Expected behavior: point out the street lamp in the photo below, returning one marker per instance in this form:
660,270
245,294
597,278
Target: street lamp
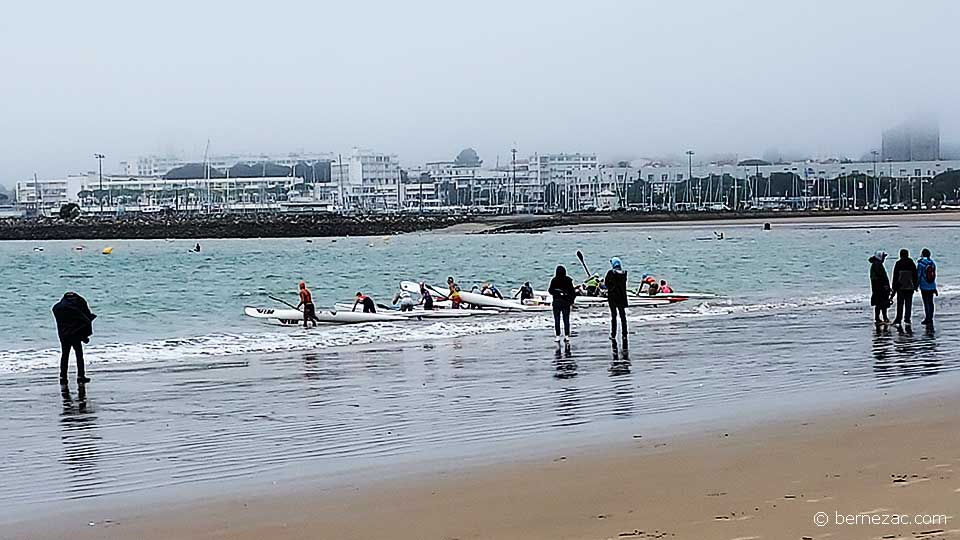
876,180
99,158
690,176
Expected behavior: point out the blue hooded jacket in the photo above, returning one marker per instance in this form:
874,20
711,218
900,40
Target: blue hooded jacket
925,266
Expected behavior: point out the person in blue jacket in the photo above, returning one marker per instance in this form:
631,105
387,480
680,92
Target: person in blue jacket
927,280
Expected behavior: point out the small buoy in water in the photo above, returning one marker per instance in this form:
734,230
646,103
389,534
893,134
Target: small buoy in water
766,226
649,238
78,248
107,250
309,241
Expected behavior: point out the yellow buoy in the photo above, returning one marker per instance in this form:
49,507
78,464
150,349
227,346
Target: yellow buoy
107,250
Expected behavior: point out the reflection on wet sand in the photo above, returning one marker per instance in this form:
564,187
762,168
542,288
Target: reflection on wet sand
900,353
623,389
80,441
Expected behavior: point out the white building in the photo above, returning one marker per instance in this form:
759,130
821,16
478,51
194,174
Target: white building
155,165
47,196
367,181
554,175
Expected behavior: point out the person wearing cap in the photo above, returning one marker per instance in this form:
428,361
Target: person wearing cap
454,292
879,288
616,282
306,300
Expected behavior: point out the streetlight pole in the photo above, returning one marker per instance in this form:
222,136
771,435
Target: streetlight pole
690,175
876,180
513,189
99,158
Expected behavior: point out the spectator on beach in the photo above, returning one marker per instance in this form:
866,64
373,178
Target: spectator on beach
927,279
904,284
616,282
879,288
563,293
74,328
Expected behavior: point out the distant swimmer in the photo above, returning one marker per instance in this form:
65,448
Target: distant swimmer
664,288
718,235
525,293
369,306
306,301
425,297
196,248
404,300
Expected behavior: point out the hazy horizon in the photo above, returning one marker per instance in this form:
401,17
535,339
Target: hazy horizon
622,79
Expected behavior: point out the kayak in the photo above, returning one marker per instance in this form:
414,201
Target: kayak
474,299
543,297
419,312
294,316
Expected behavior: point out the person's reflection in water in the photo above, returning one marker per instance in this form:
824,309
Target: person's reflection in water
905,355
620,365
311,367
80,441
568,401
622,383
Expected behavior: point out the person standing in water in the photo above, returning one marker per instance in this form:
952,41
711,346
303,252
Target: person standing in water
879,288
454,293
904,285
369,306
927,279
74,328
563,293
616,282
525,293
425,297
306,301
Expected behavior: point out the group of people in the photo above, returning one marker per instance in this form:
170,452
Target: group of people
564,294
908,277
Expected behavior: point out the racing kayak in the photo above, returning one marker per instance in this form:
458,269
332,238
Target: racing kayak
474,299
419,312
543,297
294,316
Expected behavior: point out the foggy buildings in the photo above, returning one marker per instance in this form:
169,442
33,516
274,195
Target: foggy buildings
912,141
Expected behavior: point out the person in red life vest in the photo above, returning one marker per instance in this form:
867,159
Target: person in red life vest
369,306
664,288
306,300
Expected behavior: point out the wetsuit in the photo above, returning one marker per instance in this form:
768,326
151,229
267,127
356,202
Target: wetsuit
526,293
369,306
426,298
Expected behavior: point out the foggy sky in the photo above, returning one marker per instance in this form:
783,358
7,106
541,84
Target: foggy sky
425,79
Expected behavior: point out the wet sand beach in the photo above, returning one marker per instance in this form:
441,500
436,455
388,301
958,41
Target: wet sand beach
769,481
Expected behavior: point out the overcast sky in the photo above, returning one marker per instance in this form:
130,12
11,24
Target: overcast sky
624,78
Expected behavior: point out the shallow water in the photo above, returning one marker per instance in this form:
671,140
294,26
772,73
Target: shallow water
186,397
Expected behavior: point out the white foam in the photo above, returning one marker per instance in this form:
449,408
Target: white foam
292,339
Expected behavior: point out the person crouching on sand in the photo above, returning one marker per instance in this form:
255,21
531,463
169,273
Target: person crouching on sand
879,288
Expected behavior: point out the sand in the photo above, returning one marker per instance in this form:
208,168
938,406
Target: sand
765,481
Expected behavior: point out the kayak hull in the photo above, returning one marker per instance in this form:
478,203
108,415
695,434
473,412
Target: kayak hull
291,316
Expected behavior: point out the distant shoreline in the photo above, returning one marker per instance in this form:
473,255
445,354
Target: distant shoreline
330,225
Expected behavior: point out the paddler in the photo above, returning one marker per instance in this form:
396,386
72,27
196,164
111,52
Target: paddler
306,300
489,289
592,285
664,288
454,292
369,306
525,292
425,297
646,281
405,301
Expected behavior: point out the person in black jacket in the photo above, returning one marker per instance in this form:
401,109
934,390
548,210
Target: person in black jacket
616,284
879,288
563,293
74,327
904,284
